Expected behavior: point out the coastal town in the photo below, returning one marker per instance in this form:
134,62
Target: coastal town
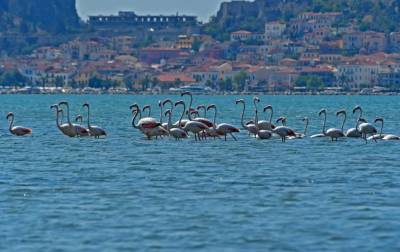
312,53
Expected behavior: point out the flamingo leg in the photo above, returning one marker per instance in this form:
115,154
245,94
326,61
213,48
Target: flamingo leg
233,137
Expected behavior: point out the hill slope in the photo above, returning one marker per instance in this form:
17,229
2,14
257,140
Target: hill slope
54,16
378,15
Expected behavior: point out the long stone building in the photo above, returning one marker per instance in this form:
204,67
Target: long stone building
129,18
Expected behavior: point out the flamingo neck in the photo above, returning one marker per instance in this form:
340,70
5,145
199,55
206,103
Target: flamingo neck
88,117
215,118
190,107
11,123
169,127
359,117
344,122
271,116
182,115
134,119
306,128
68,118
161,114
58,119
244,109
323,127
256,119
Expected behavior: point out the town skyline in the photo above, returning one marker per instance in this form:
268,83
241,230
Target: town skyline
204,9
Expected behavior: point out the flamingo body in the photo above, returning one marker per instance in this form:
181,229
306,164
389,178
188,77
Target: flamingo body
178,133
20,131
353,133
391,138
284,132
264,134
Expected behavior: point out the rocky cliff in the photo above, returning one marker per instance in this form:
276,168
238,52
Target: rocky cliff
53,16
379,15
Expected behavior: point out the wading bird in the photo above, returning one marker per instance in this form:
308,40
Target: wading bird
17,130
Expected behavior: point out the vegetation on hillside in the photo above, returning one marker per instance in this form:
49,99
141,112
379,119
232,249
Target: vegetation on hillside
375,15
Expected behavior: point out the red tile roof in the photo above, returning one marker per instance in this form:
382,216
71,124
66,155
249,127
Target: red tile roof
172,77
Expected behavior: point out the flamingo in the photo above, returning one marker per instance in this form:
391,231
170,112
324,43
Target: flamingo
222,129
366,129
177,133
261,133
353,132
71,130
79,118
333,133
17,130
192,126
147,107
204,121
283,131
251,128
379,136
304,134
203,107
74,129
150,127
267,125
94,131
64,128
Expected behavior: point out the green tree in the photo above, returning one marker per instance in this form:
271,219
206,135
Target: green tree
95,82
311,82
145,83
239,81
221,85
228,84
13,78
59,81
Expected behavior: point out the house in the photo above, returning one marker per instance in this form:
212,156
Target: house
330,58
311,21
394,42
173,80
357,73
389,78
274,30
154,55
242,35
369,42
273,78
48,74
184,42
122,44
326,73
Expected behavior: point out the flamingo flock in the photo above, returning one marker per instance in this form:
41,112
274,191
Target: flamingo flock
76,130
194,123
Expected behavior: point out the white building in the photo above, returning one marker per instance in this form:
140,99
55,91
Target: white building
358,74
274,30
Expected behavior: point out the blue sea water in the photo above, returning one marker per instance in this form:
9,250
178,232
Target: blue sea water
125,193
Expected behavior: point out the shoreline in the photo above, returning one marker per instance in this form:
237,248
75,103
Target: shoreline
104,92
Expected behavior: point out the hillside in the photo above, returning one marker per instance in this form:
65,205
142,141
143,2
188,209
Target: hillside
377,15
53,16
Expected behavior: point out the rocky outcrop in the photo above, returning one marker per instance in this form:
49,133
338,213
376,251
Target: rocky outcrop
379,15
53,16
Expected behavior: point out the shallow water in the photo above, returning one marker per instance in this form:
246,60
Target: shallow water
125,193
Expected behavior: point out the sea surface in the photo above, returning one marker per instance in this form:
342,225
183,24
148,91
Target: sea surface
125,193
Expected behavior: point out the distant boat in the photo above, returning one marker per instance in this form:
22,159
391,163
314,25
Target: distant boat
195,89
